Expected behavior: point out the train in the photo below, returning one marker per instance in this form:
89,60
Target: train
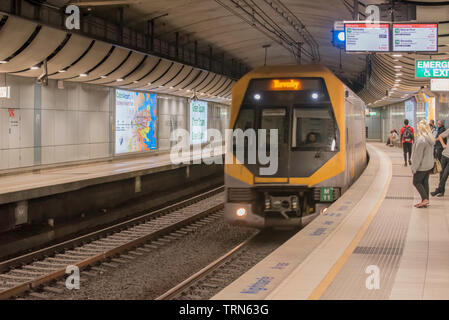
320,146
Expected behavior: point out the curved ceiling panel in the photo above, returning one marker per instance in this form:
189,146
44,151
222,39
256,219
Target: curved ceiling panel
225,81
13,35
45,42
161,68
111,62
169,74
180,77
206,82
130,64
226,90
74,48
192,79
93,56
205,76
71,57
214,84
133,80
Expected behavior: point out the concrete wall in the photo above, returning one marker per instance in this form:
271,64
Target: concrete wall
392,118
218,117
45,125
172,115
17,123
75,123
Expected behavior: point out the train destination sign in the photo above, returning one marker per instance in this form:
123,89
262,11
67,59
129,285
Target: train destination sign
367,37
432,69
415,37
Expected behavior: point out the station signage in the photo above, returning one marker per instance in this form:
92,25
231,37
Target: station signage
5,92
432,68
415,37
439,85
198,122
371,37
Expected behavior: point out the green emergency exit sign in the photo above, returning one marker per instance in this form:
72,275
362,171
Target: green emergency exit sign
432,68
326,194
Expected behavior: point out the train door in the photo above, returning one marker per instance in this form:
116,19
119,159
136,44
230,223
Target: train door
277,119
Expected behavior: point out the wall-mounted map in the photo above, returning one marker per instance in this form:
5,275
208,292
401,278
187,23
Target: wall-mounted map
135,124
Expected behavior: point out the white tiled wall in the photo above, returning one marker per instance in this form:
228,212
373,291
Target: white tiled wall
17,148
74,122
170,109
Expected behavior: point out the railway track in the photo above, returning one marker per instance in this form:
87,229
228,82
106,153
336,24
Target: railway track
213,278
39,271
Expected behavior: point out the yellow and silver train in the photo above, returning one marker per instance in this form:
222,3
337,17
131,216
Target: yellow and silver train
321,147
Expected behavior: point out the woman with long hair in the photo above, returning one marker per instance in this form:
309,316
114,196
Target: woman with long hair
423,161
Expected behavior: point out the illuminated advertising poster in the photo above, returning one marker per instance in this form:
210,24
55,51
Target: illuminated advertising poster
415,37
430,108
410,111
367,37
198,122
135,123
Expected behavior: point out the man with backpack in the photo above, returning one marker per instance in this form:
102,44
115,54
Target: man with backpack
407,138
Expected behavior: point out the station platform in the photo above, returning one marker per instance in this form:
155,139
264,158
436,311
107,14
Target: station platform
372,243
40,183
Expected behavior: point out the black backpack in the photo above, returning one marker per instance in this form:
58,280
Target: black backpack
408,136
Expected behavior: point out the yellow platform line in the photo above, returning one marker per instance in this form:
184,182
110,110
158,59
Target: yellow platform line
336,268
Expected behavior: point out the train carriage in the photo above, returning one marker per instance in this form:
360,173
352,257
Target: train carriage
320,147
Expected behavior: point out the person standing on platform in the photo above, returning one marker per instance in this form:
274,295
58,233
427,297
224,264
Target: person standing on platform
438,146
442,138
423,161
407,138
433,128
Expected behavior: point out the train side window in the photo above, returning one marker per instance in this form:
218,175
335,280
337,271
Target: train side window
314,128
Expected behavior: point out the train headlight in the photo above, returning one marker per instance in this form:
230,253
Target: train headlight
240,212
267,203
257,96
314,96
295,204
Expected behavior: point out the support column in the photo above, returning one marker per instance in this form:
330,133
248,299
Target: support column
37,129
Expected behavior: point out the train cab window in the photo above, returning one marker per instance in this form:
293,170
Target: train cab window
245,119
275,118
314,128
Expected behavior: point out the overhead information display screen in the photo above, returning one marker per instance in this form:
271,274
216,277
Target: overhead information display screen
367,37
415,37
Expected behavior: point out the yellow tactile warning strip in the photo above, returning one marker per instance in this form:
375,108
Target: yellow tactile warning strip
380,249
295,269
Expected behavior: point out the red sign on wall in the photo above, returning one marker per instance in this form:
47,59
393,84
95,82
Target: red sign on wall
11,113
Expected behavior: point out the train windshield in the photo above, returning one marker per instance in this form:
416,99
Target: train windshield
275,119
314,128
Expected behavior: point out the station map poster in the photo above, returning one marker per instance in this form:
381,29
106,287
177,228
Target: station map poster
135,123
362,37
198,122
410,111
415,37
